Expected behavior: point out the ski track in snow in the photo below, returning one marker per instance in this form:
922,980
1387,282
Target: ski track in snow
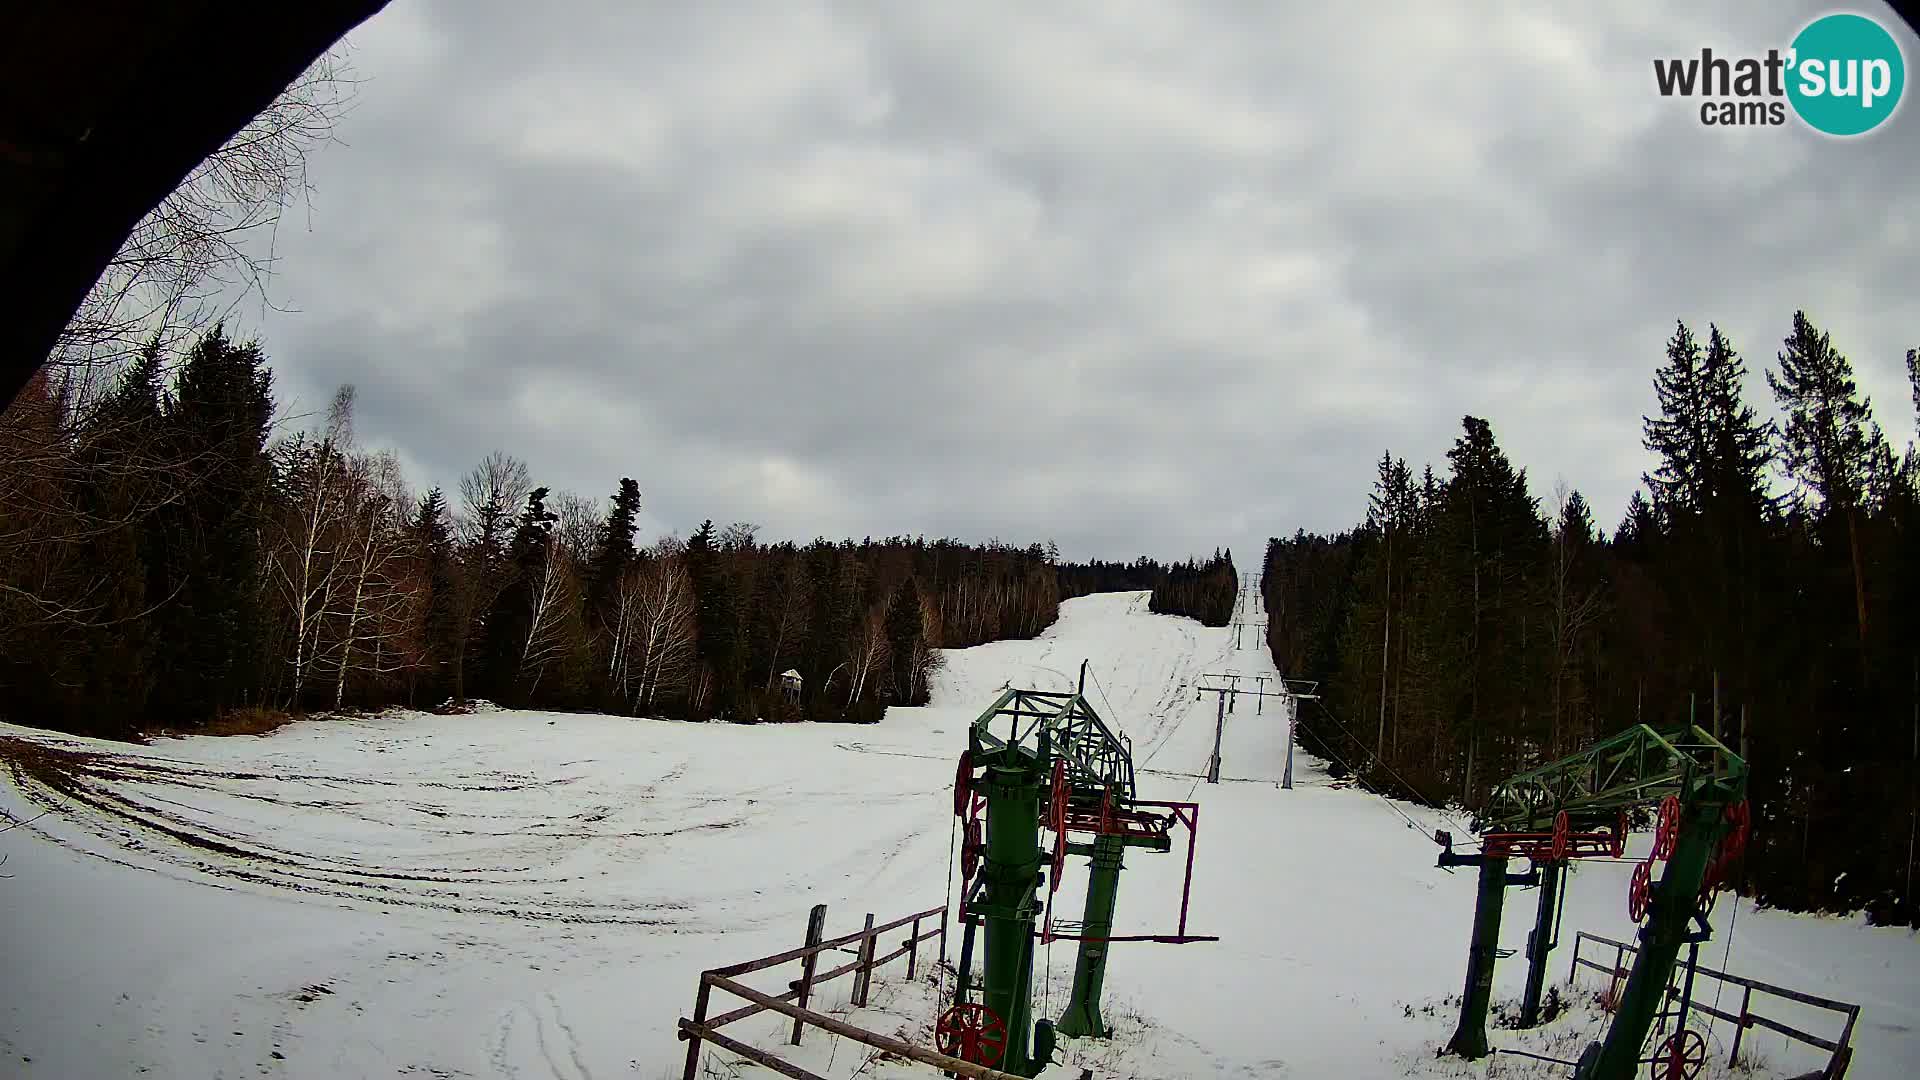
519,894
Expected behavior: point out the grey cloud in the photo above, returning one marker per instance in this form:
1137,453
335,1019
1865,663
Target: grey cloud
1138,277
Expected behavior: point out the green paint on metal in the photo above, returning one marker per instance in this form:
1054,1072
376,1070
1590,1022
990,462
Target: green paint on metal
1082,1018
1541,942
1470,1037
1633,768
1019,740
1672,907
1011,871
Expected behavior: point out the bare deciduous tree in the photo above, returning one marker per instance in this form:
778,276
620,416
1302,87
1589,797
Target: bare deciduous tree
209,245
658,627
552,591
578,525
374,594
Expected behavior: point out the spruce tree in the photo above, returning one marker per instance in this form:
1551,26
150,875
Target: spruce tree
440,614
511,619
212,629
118,487
906,631
717,619
1831,446
614,554
1679,435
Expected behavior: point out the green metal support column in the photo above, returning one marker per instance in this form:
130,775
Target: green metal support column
1082,1017
1540,942
1669,911
1011,870
1470,1038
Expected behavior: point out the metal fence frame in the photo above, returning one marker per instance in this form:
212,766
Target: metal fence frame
1840,1050
702,1028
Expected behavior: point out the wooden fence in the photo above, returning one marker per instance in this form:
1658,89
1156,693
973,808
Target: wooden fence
701,1028
1839,1049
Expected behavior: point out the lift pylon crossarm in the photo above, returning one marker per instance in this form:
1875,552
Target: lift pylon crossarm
1635,767
1058,724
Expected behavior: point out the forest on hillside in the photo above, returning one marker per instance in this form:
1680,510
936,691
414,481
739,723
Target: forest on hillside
1200,590
172,555
1765,585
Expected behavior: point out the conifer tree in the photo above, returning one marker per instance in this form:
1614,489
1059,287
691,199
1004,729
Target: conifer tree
212,630
440,612
512,620
906,632
717,619
1831,445
615,553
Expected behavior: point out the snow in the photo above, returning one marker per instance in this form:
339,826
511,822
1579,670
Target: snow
518,894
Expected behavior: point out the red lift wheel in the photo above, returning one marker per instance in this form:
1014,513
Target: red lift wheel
1561,827
1639,891
963,784
1680,1057
971,1032
1710,884
1618,845
1667,833
1740,817
970,849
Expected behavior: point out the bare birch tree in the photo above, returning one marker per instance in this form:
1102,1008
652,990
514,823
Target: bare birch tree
304,557
870,652
552,594
208,246
374,592
662,626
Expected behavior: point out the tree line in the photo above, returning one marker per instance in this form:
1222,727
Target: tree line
1097,576
1763,584
1201,590
169,557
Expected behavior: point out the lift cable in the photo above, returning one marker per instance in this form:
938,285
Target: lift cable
1391,803
1732,918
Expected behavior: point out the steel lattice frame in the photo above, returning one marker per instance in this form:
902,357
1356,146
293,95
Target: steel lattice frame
1633,768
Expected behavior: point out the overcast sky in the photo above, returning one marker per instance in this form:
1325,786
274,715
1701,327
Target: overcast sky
1138,277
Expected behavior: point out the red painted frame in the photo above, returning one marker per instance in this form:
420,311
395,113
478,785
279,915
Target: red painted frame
1107,823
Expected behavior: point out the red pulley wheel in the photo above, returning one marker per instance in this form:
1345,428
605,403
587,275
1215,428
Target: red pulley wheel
1561,828
1667,832
970,849
963,784
1681,1056
1710,883
971,1032
1739,816
1618,847
1639,891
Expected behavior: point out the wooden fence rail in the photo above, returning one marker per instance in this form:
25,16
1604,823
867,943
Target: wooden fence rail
700,1028
1839,1050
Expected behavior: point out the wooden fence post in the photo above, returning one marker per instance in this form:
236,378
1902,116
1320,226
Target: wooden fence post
693,1041
913,949
1740,1032
863,975
816,929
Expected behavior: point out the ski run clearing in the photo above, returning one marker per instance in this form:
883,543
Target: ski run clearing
529,895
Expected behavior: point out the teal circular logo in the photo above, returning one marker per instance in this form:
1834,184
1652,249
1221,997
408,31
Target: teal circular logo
1846,74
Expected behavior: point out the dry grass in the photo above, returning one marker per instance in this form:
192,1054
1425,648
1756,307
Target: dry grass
251,720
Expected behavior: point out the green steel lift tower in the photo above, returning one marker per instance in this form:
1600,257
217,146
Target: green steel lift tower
1038,758
1577,808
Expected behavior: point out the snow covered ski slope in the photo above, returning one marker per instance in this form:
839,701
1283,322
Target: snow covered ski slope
513,894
